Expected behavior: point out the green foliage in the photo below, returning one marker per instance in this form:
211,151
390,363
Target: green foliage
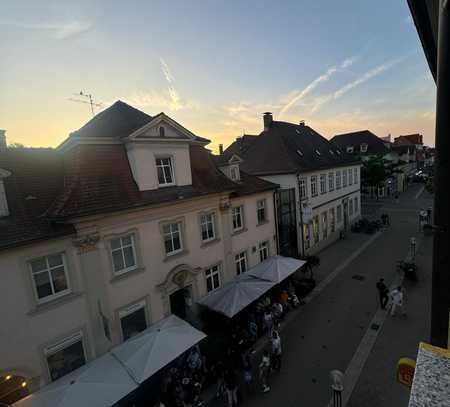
374,171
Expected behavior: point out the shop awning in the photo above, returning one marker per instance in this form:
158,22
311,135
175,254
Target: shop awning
100,383
152,349
236,295
276,268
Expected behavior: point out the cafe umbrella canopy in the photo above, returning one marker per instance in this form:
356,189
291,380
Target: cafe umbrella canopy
276,268
236,295
152,349
111,377
100,383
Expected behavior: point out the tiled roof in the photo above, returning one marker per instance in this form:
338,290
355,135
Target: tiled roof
415,138
36,179
375,145
289,148
117,121
240,145
98,186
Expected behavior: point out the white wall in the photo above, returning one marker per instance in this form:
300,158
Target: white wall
26,329
321,202
142,156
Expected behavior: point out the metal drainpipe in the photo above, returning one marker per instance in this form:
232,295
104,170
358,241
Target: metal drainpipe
440,298
275,211
301,216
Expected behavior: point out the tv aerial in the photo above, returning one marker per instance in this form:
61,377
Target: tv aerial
87,100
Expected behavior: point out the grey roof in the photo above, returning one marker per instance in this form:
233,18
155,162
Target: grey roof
289,148
118,120
375,145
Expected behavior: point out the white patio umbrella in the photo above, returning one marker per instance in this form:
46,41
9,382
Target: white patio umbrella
146,353
100,383
276,268
236,295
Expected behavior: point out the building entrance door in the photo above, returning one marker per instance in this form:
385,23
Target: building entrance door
178,305
345,207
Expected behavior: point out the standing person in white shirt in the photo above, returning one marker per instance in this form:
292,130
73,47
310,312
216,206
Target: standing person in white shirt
396,296
276,351
337,386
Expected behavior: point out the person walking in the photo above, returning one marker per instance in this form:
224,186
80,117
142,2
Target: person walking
276,351
264,370
383,292
248,372
396,300
231,387
337,387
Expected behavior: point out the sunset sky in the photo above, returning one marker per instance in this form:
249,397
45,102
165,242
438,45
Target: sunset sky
215,66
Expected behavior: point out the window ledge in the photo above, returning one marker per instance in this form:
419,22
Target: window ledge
175,255
238,232
39,308
209,242
127,274
264,222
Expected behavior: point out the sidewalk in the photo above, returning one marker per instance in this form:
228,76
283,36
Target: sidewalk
333,260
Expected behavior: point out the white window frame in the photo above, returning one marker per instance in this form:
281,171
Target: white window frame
239,260
331,181
350,207
338,179
53,296
355,175
303,188
344,178
204,222
349,149
234,173
350,176
363,147
210,272
130,309
259,208
323,184
61,345
172,233
171,168
133,246
234,215
314,191
263,247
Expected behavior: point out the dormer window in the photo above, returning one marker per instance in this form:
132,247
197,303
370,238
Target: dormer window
164,168
349,149
234,173
363,147
162,131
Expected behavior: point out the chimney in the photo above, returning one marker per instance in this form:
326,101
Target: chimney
220,149
302,122
3,140
267,120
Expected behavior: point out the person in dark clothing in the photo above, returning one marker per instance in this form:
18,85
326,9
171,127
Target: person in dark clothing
231,386
383,293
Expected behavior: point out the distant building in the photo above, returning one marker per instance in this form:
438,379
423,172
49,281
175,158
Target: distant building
415,142
319,192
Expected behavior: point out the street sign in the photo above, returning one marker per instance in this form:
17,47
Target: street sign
405,371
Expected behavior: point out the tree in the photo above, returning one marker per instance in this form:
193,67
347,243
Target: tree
374,172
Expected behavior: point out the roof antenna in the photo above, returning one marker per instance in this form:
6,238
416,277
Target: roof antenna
89,100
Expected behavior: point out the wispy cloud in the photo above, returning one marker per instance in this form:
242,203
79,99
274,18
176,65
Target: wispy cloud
322,78
357,82
59,31
176,101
